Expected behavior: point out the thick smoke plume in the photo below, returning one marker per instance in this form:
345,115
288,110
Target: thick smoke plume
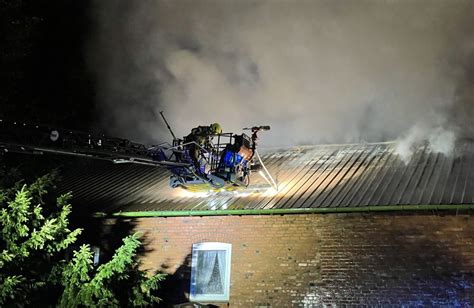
316,71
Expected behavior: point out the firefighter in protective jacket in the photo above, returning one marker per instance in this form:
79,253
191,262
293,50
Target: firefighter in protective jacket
200,137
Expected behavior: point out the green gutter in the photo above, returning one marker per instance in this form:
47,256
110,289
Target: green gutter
381,208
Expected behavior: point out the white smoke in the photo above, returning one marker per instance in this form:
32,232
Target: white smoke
437,138
316,71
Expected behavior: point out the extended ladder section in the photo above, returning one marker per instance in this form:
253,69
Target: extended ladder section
39,139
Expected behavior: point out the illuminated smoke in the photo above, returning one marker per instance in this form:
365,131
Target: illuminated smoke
316,71
437,138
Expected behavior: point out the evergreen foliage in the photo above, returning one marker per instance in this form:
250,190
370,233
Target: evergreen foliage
32,239
33,244
116,283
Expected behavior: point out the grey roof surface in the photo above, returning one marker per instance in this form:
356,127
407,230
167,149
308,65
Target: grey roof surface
324,176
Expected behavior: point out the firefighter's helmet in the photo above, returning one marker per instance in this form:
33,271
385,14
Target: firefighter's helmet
216,128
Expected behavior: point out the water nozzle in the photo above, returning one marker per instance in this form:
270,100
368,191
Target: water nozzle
258,128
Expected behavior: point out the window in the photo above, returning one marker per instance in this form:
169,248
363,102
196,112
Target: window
210,272
96,252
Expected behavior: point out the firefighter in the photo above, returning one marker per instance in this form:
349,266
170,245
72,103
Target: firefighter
200,137
202,134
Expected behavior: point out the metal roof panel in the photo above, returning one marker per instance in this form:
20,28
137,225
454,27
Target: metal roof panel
324,176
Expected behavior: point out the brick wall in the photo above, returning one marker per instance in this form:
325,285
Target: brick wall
324,259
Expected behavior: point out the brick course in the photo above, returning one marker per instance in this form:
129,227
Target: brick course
310,260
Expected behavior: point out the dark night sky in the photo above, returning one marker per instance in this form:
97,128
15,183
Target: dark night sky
44,75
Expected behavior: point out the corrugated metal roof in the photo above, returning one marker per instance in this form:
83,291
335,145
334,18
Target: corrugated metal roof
324,176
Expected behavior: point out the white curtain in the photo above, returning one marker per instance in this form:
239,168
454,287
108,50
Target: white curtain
222,264
206,265
206,262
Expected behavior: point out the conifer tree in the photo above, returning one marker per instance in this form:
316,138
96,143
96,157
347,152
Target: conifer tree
116,283
33,242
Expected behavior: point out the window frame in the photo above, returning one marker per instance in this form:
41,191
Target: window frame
210,246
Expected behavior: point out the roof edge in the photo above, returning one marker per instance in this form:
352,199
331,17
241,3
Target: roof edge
380,208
